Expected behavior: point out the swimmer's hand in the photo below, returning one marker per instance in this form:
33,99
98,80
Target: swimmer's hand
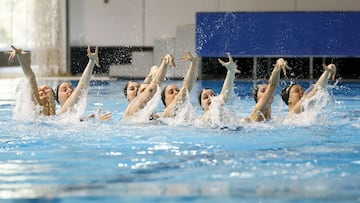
14,52
187,57
331,68
281,63
103,117
230,65
169,59
93,56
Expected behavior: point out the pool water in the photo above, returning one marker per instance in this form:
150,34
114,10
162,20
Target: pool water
312,158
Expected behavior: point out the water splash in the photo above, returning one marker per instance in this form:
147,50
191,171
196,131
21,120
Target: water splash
220,116
25,109
75,113
184,115
316,110
148,111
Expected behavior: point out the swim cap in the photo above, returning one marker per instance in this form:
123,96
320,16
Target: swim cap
163,95
285,93
57,93
255,92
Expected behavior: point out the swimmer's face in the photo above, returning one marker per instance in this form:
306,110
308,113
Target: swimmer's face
295,94
131,90
46,93
206,96
142,88
170,92
64,92
261,91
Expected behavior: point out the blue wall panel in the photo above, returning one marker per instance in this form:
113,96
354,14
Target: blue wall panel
278,34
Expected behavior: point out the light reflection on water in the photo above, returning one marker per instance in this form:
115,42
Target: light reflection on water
43,157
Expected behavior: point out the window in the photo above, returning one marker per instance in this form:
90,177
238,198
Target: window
16,23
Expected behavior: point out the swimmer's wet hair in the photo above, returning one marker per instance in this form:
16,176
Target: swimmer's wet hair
125,89
163,95
53,92
57,93
255,92
285,93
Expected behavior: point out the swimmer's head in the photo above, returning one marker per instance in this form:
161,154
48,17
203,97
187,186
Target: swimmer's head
292,94
205,96
168,94
46,93
259,91
63,92
130,90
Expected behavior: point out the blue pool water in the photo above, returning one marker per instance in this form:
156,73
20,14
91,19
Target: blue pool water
312,158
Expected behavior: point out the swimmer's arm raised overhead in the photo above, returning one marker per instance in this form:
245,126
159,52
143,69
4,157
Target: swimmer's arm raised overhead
187,85
151,75
141,100
264,104
161,72
329,72
227,90
25,65
84,80
190,74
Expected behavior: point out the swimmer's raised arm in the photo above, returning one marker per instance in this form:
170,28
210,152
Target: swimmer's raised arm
152,73
191,73
187,85
161,72
25,65
263,105
84,80
329,72
141,100
227,90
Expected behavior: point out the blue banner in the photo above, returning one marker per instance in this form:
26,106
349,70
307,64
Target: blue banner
278,34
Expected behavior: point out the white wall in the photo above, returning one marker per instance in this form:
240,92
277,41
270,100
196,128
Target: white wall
140,22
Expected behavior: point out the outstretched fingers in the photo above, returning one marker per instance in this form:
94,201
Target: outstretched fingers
14,52
106,116
230,65
284,69
170,60
230,58
11,56
282,63
94,56
187,57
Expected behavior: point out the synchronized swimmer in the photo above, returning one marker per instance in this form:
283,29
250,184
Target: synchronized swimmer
65,95
173,98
